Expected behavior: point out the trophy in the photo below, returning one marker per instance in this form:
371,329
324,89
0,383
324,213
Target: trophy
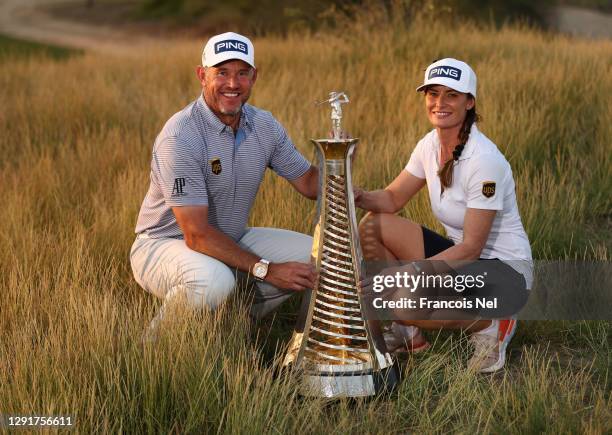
337,351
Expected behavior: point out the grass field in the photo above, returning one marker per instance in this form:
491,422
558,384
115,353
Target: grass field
75,145
11,48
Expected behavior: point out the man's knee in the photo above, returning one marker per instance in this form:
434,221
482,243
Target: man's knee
211,289
303,247
292,246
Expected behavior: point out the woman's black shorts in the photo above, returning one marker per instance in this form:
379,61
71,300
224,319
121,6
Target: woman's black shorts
503,285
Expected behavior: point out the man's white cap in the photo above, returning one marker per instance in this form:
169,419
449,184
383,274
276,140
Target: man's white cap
228,46
451,73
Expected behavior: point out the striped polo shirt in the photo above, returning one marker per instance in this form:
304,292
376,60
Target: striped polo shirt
198,160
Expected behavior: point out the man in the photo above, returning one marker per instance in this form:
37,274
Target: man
207,165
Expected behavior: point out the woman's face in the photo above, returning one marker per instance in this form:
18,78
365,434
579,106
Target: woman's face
446,108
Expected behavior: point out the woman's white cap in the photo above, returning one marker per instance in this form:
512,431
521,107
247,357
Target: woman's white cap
228,46
451,73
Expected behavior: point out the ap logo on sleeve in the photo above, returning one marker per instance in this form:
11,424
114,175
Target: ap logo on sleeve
178,187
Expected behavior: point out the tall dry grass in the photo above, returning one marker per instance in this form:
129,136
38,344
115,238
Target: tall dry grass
75,145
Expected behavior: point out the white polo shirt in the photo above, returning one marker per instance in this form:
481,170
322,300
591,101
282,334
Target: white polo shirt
482,179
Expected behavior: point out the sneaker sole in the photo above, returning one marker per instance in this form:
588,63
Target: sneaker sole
502,350
397,346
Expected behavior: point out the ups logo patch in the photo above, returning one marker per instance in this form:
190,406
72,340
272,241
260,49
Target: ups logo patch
488,188
215,165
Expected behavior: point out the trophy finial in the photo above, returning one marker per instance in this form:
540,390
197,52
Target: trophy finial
336,99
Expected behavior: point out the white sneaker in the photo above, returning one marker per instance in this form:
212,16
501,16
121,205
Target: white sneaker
172,298
404,339
490,345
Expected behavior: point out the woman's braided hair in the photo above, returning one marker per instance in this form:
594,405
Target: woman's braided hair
446,172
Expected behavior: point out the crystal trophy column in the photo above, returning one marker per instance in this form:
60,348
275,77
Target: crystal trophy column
337,351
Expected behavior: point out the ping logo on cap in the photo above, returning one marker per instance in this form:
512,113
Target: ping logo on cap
231,45
445,71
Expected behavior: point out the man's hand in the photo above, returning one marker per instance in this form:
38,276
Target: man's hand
291,276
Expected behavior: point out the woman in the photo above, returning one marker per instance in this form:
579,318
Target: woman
471,190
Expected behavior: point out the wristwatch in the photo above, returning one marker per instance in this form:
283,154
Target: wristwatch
260,270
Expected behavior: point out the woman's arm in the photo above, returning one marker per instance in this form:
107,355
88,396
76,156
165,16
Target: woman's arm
476,227
393,197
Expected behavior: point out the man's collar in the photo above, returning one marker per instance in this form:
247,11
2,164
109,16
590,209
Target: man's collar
215,122
245,117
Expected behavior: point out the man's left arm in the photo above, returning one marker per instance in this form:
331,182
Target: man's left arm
307,184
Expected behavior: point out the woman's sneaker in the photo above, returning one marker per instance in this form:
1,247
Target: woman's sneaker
404,339
490,345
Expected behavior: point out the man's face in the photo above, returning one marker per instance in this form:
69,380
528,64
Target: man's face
446,108
227,86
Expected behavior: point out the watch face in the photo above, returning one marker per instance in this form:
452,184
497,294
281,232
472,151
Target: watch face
260,270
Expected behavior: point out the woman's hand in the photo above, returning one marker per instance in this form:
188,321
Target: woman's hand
360,197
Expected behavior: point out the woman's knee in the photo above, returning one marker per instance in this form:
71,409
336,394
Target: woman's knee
371,224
